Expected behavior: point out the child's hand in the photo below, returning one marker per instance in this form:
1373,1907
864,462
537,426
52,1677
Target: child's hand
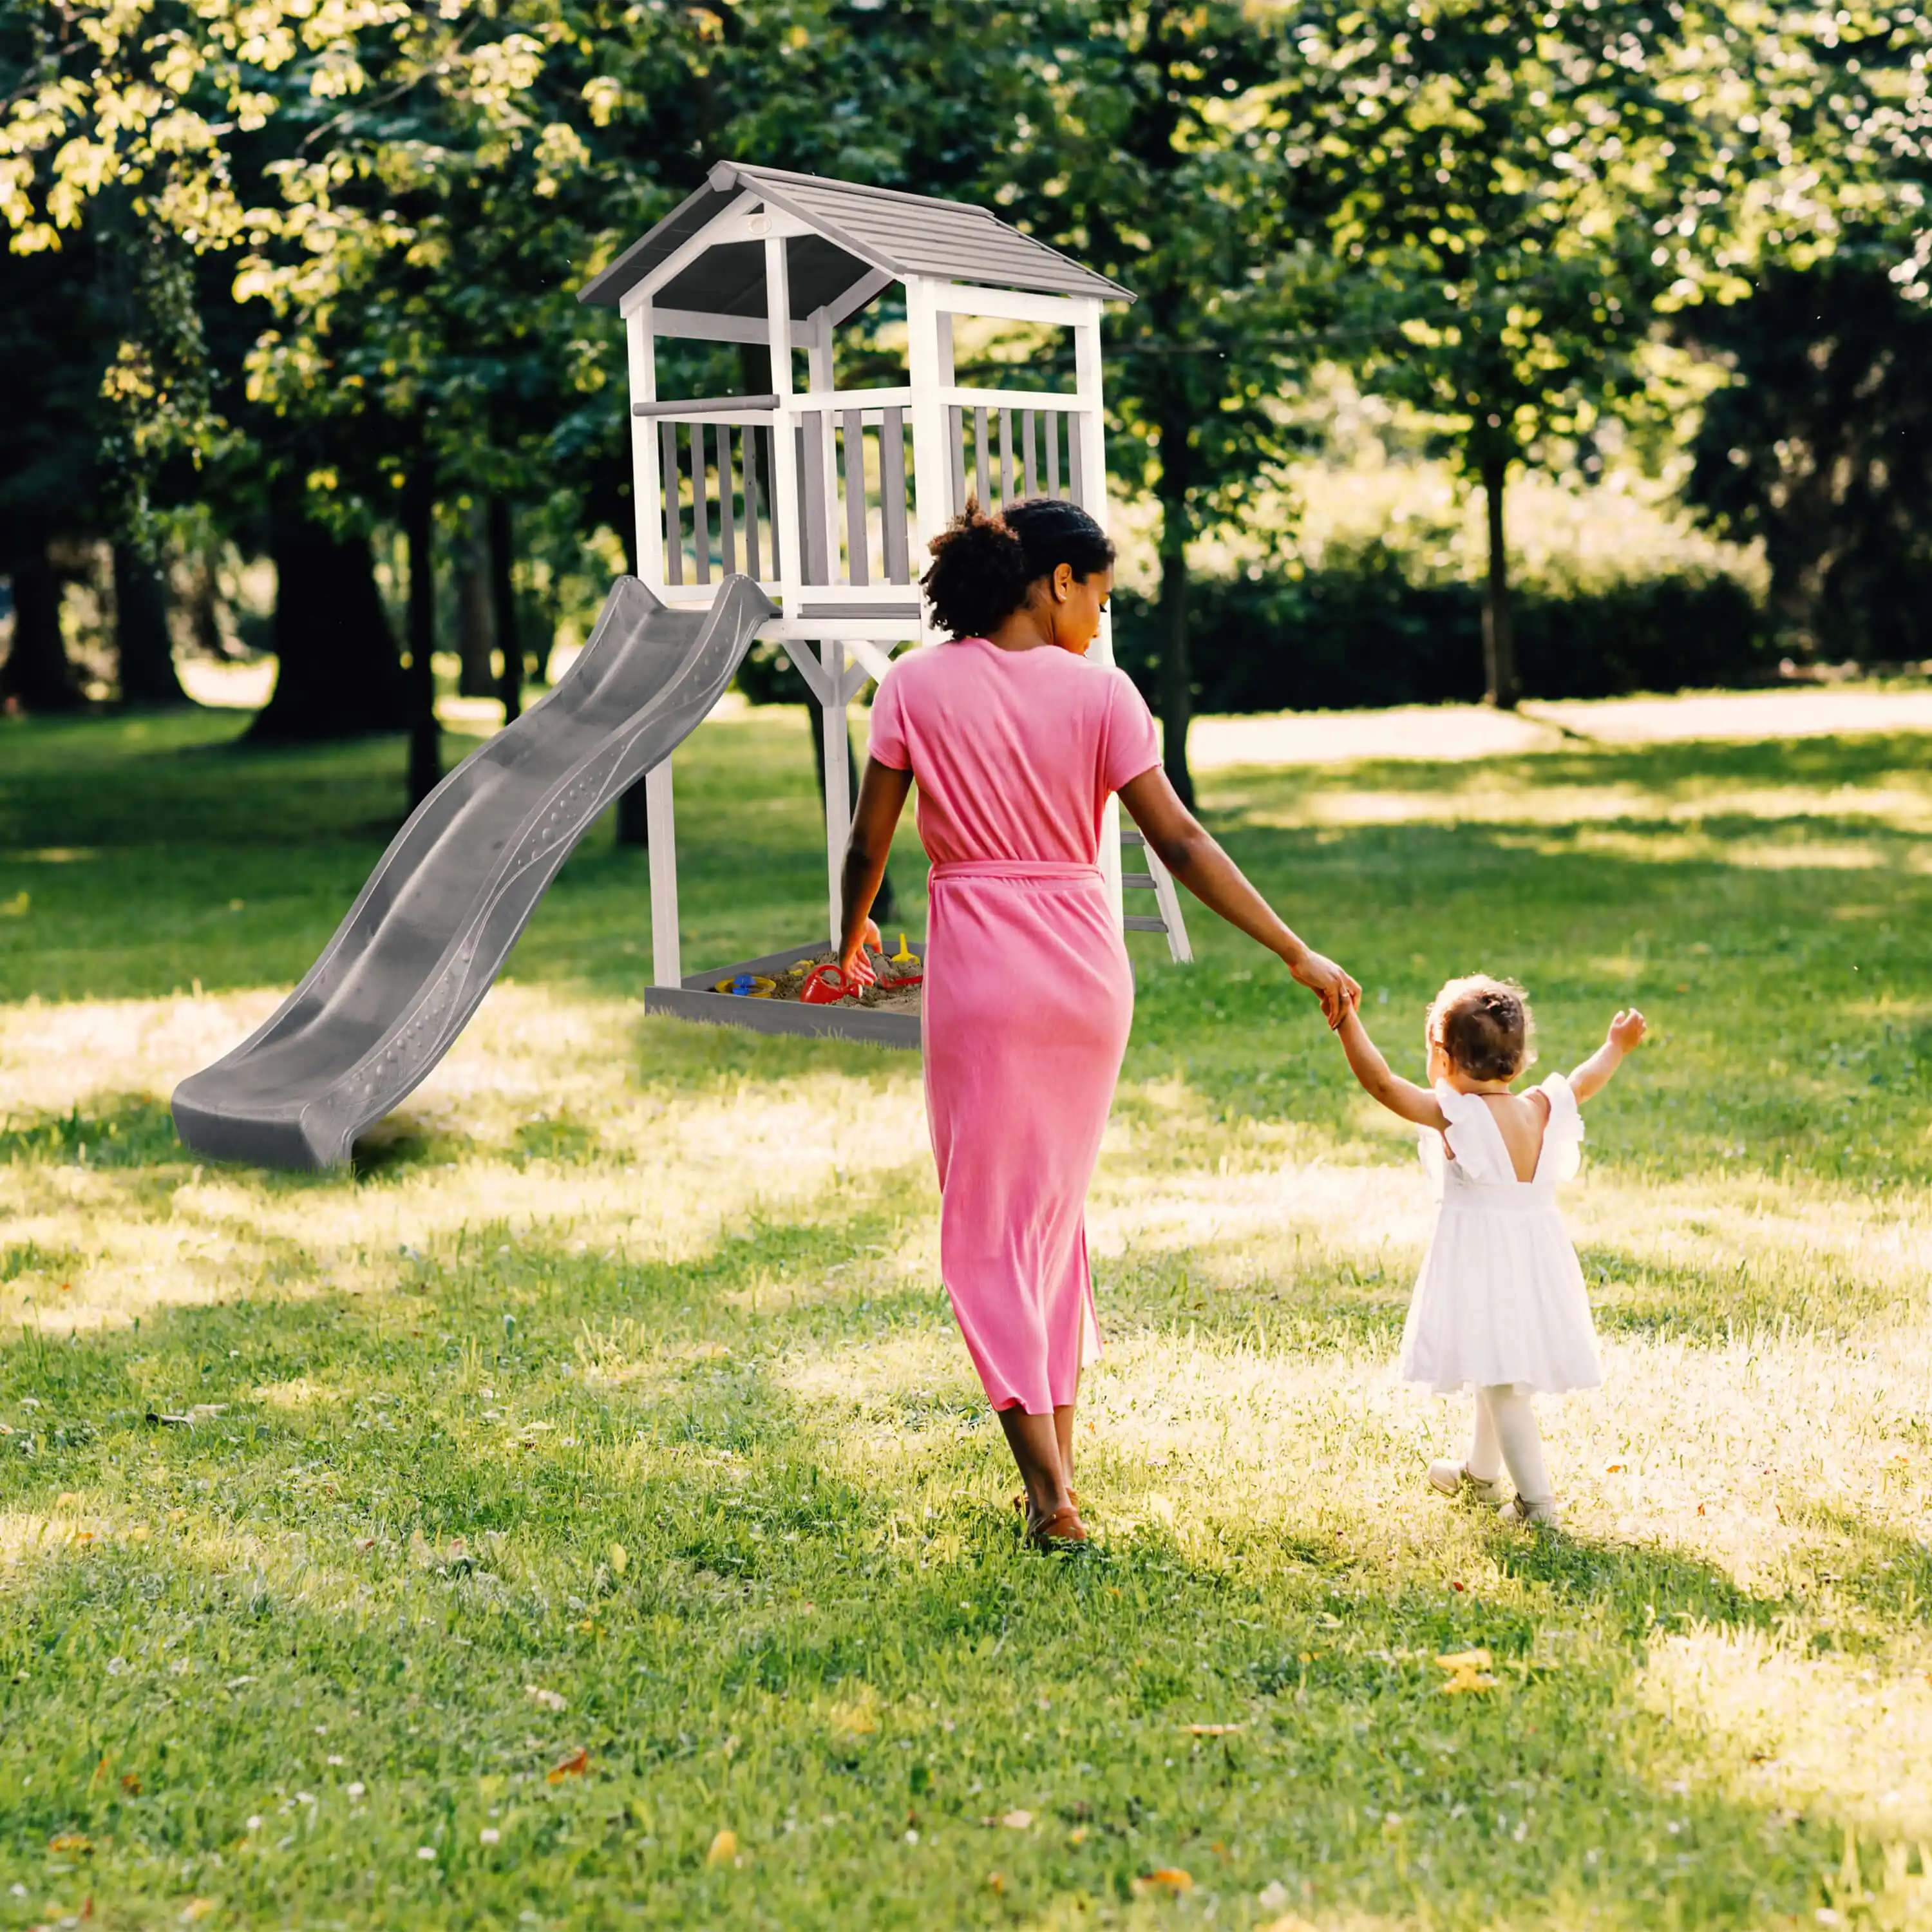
1627,1030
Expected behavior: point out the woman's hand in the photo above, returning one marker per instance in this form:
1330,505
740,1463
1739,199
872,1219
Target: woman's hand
1336,990
857,969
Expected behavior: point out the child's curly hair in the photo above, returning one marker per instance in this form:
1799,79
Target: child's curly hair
1484,1026
984,568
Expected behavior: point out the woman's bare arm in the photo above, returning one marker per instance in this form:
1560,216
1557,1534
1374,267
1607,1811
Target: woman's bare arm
882,797
1189,851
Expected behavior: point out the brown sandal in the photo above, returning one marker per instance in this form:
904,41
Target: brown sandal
1062,1529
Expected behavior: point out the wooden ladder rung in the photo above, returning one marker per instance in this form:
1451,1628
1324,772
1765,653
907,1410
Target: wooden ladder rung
1138,882
1130,837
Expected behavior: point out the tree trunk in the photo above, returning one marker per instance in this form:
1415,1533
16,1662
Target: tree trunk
503,608
1499,634
475,633
37,675
141,635
1177,672
337,672
425,746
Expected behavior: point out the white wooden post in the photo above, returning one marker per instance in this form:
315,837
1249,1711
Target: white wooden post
783,481
666,968
838,779
929,371
647,488
832,726
1090,427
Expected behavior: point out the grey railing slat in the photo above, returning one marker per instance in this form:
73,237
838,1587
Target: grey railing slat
700,510
727,521
1143,922
750,446
1138,882
981,453
858,562
894,507
812,495
1005,458
1129,837
956,442
673,523
1054,419
698,405
1029,452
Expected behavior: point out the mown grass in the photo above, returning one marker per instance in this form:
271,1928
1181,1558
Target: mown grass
610,1406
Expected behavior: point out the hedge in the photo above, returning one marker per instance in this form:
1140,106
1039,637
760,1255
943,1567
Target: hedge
1363,634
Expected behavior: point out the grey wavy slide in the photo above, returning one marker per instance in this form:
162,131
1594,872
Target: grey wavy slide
431,929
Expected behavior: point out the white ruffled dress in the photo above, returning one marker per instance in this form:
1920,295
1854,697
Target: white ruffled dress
1500,1297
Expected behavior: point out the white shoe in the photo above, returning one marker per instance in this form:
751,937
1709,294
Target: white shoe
1452,1479
1544,1515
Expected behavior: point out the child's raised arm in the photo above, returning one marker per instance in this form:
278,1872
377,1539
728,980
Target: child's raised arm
1400,1096
1594,1075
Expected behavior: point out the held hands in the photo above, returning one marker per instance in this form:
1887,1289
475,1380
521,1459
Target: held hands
1626,1030
857,969
1337,990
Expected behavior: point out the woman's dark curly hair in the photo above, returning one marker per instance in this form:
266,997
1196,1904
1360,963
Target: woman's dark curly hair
984,568
1484,1026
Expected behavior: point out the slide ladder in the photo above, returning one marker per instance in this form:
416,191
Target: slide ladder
1157,879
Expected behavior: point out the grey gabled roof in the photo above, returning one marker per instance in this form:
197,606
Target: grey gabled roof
858,230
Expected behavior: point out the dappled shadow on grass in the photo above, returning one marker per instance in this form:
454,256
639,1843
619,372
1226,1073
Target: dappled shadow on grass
128,1130
1686,769
1886,1573
1639,1295
1327,1301
685,1054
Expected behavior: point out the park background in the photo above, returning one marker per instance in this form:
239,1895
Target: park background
580,1512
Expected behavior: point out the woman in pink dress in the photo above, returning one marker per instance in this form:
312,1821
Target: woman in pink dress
1016,742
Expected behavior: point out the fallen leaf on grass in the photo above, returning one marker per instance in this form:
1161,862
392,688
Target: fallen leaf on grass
575,1765
995,1882
70,1841
551,1700
1468,1670
66,1499
1017,1821
1169,1878
1215,1730
620,1558
723,1849
130,1784
197,1908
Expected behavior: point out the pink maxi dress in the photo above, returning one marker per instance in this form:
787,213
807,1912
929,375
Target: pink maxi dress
1028,994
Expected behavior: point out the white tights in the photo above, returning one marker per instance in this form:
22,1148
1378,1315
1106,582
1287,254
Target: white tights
1506,1434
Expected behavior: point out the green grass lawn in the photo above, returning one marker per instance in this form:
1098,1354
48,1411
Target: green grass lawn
583,1513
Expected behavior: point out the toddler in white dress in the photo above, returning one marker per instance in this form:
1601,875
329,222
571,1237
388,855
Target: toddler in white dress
1500,1306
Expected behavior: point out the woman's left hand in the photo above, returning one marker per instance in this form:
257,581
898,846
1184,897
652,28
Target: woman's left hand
857,969
1336,990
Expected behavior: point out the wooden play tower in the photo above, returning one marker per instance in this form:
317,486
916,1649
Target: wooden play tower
826,495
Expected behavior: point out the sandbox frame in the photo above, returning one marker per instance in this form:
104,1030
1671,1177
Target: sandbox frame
695,1000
